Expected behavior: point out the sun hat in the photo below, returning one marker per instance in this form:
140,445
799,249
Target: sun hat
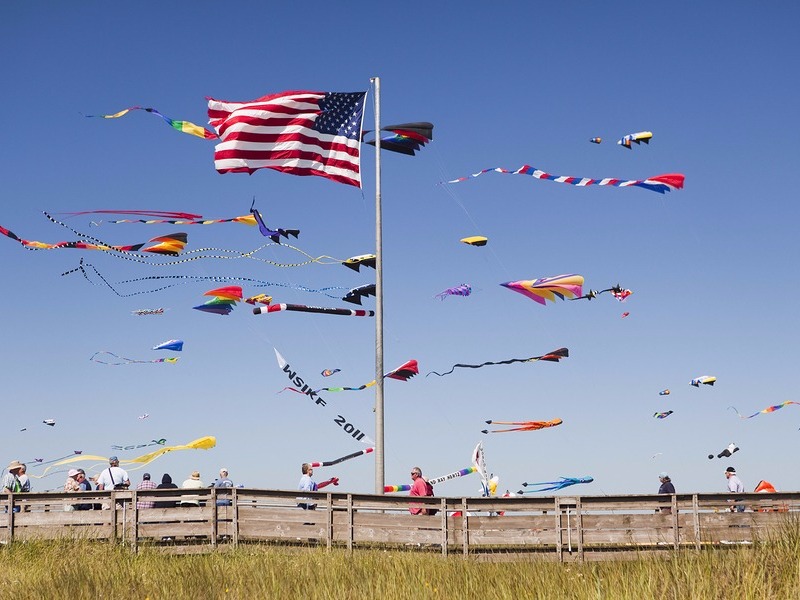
72,473
663,475
195,474
730,470
15,464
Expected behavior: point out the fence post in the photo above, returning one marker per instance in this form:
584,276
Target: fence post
214,518
235,518
696,519
135,524
675,523
465,526
559,530
443,512
329,523
350,522
10,509
579,527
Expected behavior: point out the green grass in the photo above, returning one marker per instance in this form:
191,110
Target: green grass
77,570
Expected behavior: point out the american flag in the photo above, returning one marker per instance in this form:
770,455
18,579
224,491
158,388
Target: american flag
298,132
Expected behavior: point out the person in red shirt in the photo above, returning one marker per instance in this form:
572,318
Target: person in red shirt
419,487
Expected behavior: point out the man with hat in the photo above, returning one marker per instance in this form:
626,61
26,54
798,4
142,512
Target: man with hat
735,485
11,482
113,478
193,483
146,484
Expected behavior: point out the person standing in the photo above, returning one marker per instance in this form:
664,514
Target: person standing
146,484
419,487
11,481
666,487
114,477
735,486
307,484
24,480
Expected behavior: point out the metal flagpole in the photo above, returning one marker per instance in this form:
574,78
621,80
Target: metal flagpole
379,443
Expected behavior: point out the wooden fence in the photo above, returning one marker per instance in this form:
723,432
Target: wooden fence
558,527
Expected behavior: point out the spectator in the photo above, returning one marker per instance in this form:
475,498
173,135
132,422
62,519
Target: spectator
736,486
86,486
24,480
307,485
71,486
113,478
11,481
193,483
166,483
223,482
666,487
419,487
146,484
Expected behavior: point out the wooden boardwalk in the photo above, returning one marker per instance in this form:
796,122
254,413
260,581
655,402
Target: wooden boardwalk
563,528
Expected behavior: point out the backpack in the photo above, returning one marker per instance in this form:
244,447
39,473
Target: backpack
429,492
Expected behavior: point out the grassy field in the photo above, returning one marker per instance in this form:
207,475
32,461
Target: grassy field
77,570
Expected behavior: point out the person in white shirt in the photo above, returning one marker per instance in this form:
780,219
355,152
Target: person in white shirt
736,486
193,483
113,478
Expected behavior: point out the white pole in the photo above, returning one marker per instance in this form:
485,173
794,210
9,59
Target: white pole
379,442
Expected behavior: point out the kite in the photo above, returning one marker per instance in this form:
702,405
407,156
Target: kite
658,183
329,372
354,296
554,356
406,138
203,443
273,234
224,300
158,442
341,421
121,360
259,310
704,379
523,425
51,422
141,312
164,214
175,345
336,461
769,409
475,240
625,314
596,140
387,489
636,138
556,485
620,294
259,299
182,126
662,415
548,288
144,416
355,262
765,487
460,290
230,292
727,452
615,291
216,307
479,462
664,393
40,461
402,373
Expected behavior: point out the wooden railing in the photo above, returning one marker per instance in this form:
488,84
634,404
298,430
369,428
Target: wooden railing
561,527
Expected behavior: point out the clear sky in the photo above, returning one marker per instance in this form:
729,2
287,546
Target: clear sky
712,267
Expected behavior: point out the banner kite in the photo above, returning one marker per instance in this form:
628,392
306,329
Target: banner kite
554,356
182,126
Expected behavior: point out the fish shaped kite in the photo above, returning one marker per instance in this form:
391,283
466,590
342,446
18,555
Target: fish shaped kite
355,262
262,310
658,183
273,234
121,360
727,452
182,126
523,425
329,372
336,461
704,380
175,345
555,485
662,415
460,290
406,138
402,373
356,294
636,138
554,356
548,288
765,411
475,240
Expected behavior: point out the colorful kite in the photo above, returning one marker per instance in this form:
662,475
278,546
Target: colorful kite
402,373
662,415
273,234
336,461
727,452
388,489
121,360
476,240
554,356
164,214
620,294
175,345
244,220
769,409
223,302
523,425
556,485
548,288
406,138
704,379
259,310
596,140
664,393
329,372
636,138
182,126
355,262
148,311
259,299
625,314
460,290
356,294
658,183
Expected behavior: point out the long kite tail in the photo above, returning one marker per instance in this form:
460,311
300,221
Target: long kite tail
553,356
182,126
658,183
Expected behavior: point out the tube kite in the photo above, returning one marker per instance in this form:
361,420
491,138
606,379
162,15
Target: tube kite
244,220
704,380
555,485
329,463
554,356
262,310
664,393
388,489
636,138
523,425
769,409
548,288
121,360
596,140
182,126
658,183
460,290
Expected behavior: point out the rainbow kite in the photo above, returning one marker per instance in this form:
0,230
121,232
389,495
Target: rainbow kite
182,126
769,409
548,288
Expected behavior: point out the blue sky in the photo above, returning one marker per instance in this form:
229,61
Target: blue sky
712,267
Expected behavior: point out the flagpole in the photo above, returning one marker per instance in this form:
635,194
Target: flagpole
379,442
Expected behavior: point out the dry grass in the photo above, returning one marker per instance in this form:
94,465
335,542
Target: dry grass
78,570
